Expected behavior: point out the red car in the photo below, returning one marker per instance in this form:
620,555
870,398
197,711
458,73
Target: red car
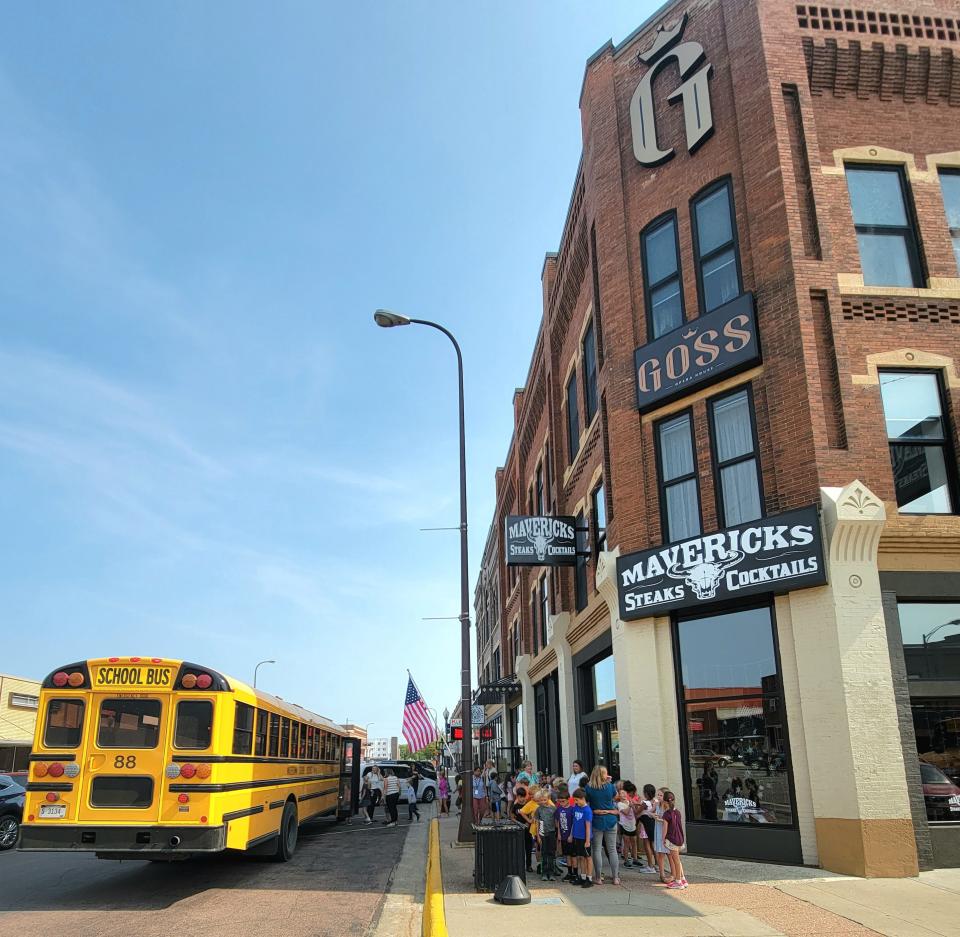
940,795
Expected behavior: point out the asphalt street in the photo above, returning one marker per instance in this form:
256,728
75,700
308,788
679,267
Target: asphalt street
333,886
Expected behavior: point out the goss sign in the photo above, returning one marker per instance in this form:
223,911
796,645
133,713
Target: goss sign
772,554
721,342
541,541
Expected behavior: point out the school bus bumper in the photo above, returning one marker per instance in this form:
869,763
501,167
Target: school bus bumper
144,840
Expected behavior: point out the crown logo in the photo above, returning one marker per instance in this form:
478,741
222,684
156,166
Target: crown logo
663,40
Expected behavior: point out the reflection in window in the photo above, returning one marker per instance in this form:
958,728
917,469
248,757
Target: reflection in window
931,640
936,724
728,655
663,287
64,724
919,448
129,723
889,255
603,683
194,724
950,187
718,267
737,767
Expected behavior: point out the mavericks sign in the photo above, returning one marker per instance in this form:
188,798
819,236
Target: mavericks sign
718,343
541,541
772,554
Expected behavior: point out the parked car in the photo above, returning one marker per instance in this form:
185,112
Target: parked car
426,790
699,756
12,796
940,795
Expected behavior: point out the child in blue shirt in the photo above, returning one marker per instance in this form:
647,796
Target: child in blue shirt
579,837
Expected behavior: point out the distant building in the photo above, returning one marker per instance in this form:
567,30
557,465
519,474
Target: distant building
19,697
382,748
359,732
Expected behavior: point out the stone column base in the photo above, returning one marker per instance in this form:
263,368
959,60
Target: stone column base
868,848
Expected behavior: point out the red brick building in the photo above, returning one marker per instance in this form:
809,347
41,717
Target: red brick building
745,391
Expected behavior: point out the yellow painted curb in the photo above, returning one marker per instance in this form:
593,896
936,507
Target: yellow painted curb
434,919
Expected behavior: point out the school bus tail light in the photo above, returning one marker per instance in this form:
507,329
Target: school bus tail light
40,769
203,771
53,797
172,771
55,770
203,681
183,799
71,771
187,771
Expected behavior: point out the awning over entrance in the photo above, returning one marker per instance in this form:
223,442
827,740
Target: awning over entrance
488,694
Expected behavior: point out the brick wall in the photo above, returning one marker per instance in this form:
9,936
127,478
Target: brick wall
785,97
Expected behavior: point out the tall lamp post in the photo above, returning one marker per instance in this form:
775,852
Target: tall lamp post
255,669
388,320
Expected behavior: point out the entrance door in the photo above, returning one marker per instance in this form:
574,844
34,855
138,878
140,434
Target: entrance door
124,757
604,743
349,801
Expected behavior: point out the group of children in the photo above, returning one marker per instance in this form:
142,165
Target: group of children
559,823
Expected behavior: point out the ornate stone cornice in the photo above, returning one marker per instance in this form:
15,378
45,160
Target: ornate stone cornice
853,517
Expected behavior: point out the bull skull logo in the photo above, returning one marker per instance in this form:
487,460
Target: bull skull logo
704,578
540,544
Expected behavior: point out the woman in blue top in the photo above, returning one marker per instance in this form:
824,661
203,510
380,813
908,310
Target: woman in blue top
600,794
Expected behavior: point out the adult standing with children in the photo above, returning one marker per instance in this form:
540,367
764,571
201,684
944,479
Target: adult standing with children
600,794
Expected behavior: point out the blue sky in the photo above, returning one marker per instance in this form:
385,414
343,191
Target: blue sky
207,449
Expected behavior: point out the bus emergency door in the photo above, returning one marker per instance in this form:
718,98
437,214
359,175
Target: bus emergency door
349,800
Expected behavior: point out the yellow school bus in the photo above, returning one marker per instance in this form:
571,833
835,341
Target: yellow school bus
145,757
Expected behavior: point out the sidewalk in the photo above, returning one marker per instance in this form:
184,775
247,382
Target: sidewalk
726,898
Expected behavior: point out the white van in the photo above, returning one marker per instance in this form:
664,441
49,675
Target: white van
426,789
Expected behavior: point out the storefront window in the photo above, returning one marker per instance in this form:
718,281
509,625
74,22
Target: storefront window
737,755
604,691
931,652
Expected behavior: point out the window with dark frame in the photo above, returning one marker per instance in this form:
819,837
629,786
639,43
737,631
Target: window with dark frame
580,570
918,433
715,246
662,282
63,726
548,473
573,417
260,740
516,642
598,509
129,723
883,219
274,735
284,737
677,474
242,728
591,398
539,489
193,727
737,754
736,464
950,190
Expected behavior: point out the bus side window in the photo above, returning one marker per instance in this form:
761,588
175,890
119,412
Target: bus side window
261,744
315,750
294,738
303,741
274,735
242,729
284,737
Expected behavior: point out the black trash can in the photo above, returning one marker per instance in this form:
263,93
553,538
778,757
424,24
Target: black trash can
498,852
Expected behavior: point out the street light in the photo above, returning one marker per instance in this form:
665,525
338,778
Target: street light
388,320
255,669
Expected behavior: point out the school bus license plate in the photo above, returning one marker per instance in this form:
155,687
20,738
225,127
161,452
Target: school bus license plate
53,811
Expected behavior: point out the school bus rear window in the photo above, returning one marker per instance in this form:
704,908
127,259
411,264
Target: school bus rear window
64,727
194,725
129,723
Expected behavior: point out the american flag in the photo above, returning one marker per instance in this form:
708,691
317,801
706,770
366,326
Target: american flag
418,728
